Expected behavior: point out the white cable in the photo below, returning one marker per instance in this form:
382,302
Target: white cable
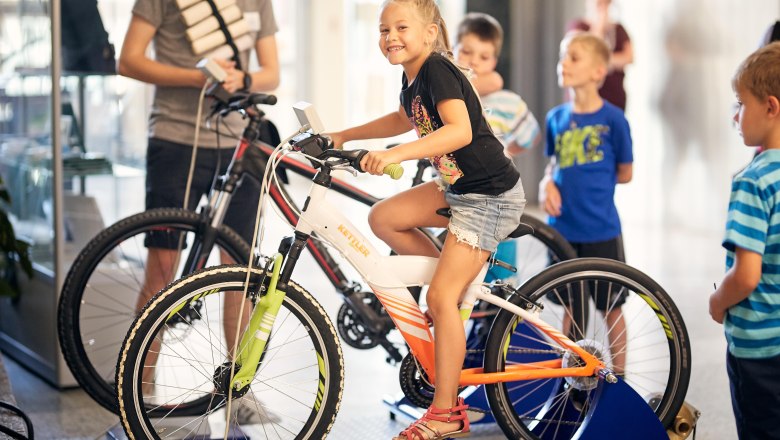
195,142
255,244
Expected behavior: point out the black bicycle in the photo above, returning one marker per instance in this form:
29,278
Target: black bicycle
100,296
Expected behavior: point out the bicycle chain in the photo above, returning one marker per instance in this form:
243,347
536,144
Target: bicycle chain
522,350
527,351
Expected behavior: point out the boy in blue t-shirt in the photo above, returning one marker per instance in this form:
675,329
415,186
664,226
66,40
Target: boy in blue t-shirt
589,142
747,302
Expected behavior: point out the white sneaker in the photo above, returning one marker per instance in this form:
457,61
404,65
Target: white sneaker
248,411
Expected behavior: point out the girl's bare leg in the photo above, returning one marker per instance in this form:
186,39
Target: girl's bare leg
458,265
396,218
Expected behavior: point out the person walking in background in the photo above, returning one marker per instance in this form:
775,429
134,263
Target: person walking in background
478,183
597,21
747,302
590,149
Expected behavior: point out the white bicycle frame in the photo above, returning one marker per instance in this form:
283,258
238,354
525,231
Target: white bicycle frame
390,276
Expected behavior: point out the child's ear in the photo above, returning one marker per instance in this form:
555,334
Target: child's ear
773,106
433,32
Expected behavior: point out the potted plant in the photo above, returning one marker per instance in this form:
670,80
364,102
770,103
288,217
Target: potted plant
11,249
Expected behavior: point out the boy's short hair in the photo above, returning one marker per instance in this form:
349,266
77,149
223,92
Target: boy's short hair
592,42
485,27
760,72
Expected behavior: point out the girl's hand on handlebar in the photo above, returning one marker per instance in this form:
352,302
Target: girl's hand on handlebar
375,161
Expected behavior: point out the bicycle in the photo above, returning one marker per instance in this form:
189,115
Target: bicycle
98,298
539,383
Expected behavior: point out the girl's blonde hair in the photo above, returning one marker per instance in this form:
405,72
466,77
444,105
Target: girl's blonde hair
429,12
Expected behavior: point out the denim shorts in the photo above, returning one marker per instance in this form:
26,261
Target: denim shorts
483,220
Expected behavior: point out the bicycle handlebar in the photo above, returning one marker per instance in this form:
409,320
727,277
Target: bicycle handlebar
320,148
227,102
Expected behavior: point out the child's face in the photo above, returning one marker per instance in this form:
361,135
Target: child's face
577,66
478,55
403,38
750,118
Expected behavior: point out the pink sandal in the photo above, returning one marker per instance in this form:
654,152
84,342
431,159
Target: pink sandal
421,430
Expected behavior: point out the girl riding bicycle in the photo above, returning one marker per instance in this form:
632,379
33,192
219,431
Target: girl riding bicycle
477,183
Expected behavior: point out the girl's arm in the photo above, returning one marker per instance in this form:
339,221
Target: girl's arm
388,125
740,281
625,172
454,134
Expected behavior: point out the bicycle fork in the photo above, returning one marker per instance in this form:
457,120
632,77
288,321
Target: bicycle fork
255,338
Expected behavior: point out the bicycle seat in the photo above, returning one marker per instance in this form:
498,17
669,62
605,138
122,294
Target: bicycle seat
522,229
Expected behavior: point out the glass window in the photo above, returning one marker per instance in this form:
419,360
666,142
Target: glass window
25,122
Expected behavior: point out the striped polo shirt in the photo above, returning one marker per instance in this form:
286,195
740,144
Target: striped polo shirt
510,119
752,326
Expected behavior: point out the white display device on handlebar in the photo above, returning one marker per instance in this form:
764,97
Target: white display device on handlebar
307,116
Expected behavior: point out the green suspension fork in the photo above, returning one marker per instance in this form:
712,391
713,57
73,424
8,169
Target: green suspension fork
255,338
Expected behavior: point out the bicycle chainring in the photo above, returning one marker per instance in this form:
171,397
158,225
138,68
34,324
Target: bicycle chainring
414,383
352,330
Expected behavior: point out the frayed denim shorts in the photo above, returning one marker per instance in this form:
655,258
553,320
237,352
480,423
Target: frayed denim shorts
483,220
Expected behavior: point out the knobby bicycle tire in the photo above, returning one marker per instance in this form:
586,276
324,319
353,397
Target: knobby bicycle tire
303,357
661,349
103,249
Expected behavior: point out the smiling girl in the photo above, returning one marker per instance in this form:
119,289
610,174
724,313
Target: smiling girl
477,182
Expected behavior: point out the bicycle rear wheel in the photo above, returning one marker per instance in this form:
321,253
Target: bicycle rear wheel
535,252
653,357
99,296
298,384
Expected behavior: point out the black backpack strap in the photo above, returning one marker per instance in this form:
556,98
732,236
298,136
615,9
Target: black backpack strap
228,38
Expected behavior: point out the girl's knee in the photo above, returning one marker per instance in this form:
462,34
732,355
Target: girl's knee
377,220
439,301
381,220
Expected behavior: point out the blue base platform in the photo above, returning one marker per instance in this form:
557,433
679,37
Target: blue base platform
619,413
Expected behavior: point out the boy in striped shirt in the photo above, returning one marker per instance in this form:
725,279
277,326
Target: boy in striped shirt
747,302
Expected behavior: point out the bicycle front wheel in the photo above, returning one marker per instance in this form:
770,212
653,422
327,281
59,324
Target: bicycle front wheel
100,296
610,309
178,349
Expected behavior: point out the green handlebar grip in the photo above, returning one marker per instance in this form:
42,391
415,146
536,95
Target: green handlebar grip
394,170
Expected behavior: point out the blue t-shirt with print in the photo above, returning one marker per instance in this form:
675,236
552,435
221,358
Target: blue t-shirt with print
588,148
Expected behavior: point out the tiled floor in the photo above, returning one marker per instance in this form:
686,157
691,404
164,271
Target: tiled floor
681,253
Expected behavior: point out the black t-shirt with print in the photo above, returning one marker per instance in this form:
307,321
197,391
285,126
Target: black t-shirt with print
479,167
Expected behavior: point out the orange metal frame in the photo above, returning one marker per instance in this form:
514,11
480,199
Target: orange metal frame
423,350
